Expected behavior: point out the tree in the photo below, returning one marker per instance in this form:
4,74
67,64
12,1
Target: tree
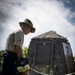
1,58
74,57
25,51
1,54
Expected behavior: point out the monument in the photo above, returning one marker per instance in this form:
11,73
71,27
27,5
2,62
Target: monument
50,54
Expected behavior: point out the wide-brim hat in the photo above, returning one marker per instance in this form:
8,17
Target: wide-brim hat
29,23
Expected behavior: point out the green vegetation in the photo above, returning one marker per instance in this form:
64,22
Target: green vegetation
1,56
74,57
25,51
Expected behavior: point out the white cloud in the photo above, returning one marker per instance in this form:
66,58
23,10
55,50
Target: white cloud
45,15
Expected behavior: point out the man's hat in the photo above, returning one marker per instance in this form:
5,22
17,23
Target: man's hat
29,23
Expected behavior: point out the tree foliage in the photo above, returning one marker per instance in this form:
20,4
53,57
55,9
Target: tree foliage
25,51
1,56
74,57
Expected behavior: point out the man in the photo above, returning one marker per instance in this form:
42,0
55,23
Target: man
14,47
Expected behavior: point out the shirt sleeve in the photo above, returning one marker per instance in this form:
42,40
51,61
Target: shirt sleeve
18,39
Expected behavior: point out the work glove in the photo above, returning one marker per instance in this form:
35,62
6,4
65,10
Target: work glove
25,69
22,65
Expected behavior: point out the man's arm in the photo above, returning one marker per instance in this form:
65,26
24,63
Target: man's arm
19,51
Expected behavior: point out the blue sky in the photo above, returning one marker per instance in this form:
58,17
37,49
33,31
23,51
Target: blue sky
46,15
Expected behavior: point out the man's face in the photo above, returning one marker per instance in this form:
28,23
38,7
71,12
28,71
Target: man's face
27,29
